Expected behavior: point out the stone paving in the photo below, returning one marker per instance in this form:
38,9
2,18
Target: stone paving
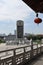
39,61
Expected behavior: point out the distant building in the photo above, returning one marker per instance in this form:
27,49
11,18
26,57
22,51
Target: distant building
10,38
27,34
1,35
15,32
1,38
10,34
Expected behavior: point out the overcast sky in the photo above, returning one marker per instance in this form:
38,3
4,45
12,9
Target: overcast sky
13,10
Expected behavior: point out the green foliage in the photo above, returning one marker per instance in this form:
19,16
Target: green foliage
38,41
2,41
34,37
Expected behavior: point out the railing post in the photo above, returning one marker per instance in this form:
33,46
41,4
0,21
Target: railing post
24,55
37,49
31,55
0,62
14,58
40,47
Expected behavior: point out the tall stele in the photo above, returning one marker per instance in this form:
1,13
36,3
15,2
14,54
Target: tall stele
20,28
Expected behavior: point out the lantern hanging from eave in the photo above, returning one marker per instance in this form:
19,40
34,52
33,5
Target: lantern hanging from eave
37,20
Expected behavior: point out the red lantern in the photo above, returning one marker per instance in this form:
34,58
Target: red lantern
38,20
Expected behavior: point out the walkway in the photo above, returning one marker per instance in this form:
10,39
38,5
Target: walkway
38,61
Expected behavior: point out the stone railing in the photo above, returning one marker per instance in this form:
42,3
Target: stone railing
20,55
